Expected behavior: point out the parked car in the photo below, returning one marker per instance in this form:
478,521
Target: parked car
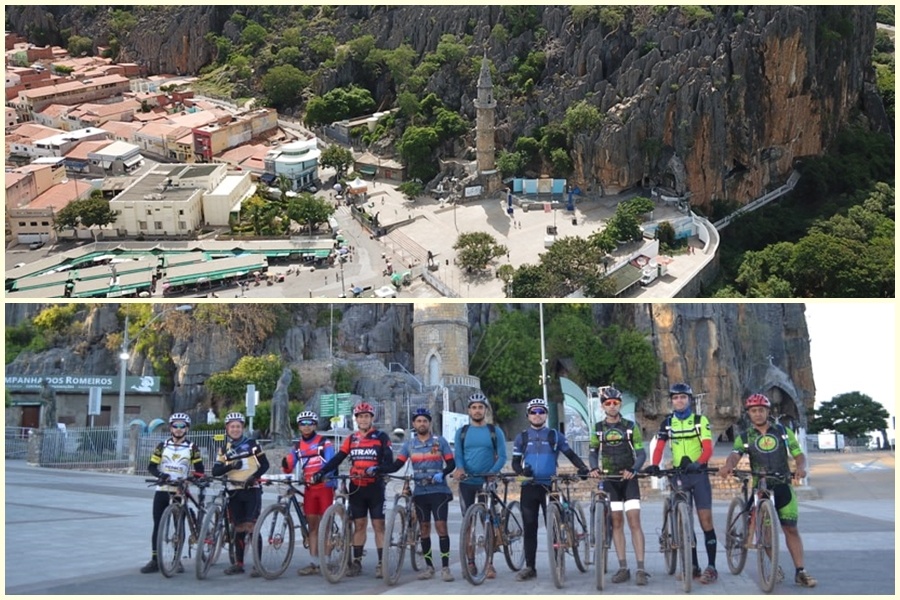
386,291
35,245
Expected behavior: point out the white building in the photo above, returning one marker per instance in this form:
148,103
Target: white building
61,144
226,199
298,161
117,158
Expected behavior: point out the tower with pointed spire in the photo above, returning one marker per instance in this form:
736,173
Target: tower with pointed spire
484,120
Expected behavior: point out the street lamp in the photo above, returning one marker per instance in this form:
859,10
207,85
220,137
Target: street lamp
123,367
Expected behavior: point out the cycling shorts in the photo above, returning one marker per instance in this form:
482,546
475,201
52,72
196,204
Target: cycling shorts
316,499
699,484
620,491
367,500
786,504
428,505
245,505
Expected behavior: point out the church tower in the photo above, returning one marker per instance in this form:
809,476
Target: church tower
484,120
440,340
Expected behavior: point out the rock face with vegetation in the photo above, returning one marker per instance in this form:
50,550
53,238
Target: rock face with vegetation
717,102
724,351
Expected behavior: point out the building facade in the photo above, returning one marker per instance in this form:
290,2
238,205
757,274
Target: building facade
298,161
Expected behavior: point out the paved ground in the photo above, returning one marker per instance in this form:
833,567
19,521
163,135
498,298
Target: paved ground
72,532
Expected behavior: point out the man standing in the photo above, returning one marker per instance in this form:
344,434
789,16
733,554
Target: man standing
535,454
306,457
174,459
479,447
243,461
368,449
617,449
692,448
432,460
768,445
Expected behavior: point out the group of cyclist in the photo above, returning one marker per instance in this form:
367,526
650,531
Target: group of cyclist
616,456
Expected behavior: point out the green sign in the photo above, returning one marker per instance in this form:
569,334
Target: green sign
63,383
331,405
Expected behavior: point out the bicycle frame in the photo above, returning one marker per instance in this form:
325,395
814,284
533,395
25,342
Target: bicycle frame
216,531
183,507
401,531
567,530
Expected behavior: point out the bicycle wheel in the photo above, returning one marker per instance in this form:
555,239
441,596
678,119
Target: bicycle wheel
334,542
736,535
667,538
601,543
476,543
767,545
514,536
578,529
685,538
212,537
273,541
170,539
395,541
556,544
416,558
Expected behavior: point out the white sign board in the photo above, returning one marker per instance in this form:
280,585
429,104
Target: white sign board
451,422
474,190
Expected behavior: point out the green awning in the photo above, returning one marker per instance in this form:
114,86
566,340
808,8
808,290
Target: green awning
322,253
367,170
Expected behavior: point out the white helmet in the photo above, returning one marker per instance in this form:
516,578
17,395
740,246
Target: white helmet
180,417
234,416
536,402
307,415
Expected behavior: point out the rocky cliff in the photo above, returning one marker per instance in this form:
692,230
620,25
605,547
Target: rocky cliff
725,351
717,104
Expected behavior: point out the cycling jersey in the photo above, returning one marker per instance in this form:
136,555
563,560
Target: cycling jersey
307,457
253,462
175,459
768,450
540,449
370,449
478,455
691,437
428,458
616,443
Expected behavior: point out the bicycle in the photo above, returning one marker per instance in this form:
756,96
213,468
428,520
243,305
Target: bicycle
567,528
275,530
215,532
336,534
754,506
676,539
171,533
401,531
601,529
489,523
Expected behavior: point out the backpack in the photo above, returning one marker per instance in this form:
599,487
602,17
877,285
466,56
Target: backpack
553,445
462,438
667,424
629,434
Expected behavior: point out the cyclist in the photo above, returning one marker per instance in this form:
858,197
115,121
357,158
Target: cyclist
535,453
478,447
173,459
432,460
617,447
692,448
768,445
306,457
243,461
368,449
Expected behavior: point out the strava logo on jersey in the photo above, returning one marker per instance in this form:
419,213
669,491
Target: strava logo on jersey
364,454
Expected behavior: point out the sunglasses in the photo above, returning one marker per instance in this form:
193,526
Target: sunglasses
307,423
612,403
537,411
182,426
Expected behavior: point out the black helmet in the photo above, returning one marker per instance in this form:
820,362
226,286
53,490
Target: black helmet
681,388
610,393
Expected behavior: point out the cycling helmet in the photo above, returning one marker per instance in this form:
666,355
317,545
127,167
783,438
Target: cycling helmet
422,412
478,398
536,403
610,393
681,388
757,400
307,415
363,407
180,417
234,416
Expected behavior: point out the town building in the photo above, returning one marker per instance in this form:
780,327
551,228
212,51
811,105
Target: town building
225,200
62,143
379,167
298,161
35,221
215,138
29,102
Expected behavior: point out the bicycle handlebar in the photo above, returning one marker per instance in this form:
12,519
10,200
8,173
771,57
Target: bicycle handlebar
745,474
681,471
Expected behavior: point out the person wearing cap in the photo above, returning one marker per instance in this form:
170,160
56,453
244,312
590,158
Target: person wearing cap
368,449
176,458
242,461
535,454
768,444
479,447
692,447
305,459
617,449
432,460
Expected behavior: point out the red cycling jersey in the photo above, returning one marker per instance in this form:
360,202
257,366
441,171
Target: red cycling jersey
367,450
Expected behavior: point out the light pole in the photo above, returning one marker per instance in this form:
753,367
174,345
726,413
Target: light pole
123,368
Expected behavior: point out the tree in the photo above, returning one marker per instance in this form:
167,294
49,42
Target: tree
449,125
476,250
416,148
339,104
253,35
410,189
853,414
283,85
409,105
665,233
78,45
289,55
510,163
338,157
261,371
571,263
88,212
310,211
529,281
582,118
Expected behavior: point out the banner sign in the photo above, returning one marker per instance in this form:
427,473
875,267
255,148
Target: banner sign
332,405
82,383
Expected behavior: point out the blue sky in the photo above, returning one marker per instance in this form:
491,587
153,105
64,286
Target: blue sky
853,346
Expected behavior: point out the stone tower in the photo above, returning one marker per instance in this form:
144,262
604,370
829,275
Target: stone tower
484,120
440,340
